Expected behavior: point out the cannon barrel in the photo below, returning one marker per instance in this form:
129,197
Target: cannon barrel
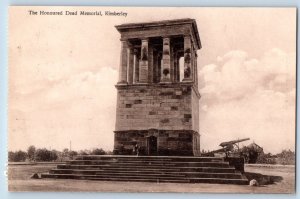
215,151
223,144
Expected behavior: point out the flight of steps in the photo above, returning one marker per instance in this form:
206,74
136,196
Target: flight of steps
149,169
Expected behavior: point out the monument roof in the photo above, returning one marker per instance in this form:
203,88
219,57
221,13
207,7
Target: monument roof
163,23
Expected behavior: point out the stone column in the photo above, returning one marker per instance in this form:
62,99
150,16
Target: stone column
176,67
150,63
123,63
172,66
159,61
130,65
193,63
166,67
143,69
196,69
155,66
136,66
187,59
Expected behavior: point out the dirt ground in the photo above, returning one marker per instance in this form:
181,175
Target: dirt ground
272,178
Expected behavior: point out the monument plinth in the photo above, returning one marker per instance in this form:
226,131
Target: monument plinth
158,97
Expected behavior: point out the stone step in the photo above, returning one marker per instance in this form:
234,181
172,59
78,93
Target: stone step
141,180
195,180
145,161
84,176
119,166
153,173
100,173
67,166
149,179
181,174
178,169
128,169
168,164
148,158
157,171
149,169
198,180
143,173
219,181
103,157
101,162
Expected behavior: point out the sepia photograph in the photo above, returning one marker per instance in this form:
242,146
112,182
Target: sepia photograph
152,99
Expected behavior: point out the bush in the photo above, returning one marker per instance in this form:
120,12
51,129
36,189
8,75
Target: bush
18,156
286,157
266,159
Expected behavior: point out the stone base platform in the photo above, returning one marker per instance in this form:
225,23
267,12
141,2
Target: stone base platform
157,142
175,169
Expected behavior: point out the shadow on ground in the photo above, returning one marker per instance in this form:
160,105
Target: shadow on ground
263,179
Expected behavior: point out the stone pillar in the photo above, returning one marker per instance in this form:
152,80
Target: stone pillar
196,69
193,63
172,66
130,66
187,59
150,63
176,68
155,67
159,60
136,66
123,63
166,67
143,69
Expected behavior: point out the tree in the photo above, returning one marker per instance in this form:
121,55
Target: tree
45,155
65,152
31,152
72,154
98,151
53,155
84,152
18,156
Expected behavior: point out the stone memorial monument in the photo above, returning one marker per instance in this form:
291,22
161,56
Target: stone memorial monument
157,124
157,91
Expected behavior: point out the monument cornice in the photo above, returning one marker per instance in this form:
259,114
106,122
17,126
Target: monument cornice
153,28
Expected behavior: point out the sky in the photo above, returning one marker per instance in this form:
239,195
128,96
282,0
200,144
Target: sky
62,72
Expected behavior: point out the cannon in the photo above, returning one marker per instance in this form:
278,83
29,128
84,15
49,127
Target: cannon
227,147
233,142
232,153
231,149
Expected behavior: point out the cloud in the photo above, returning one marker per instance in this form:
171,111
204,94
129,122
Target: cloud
247,97
80,109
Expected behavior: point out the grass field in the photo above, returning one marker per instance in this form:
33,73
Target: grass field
273,179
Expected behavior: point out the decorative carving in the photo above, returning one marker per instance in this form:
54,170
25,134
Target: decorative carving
166,52
187,72
187,56
187,50
144,54
166,71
